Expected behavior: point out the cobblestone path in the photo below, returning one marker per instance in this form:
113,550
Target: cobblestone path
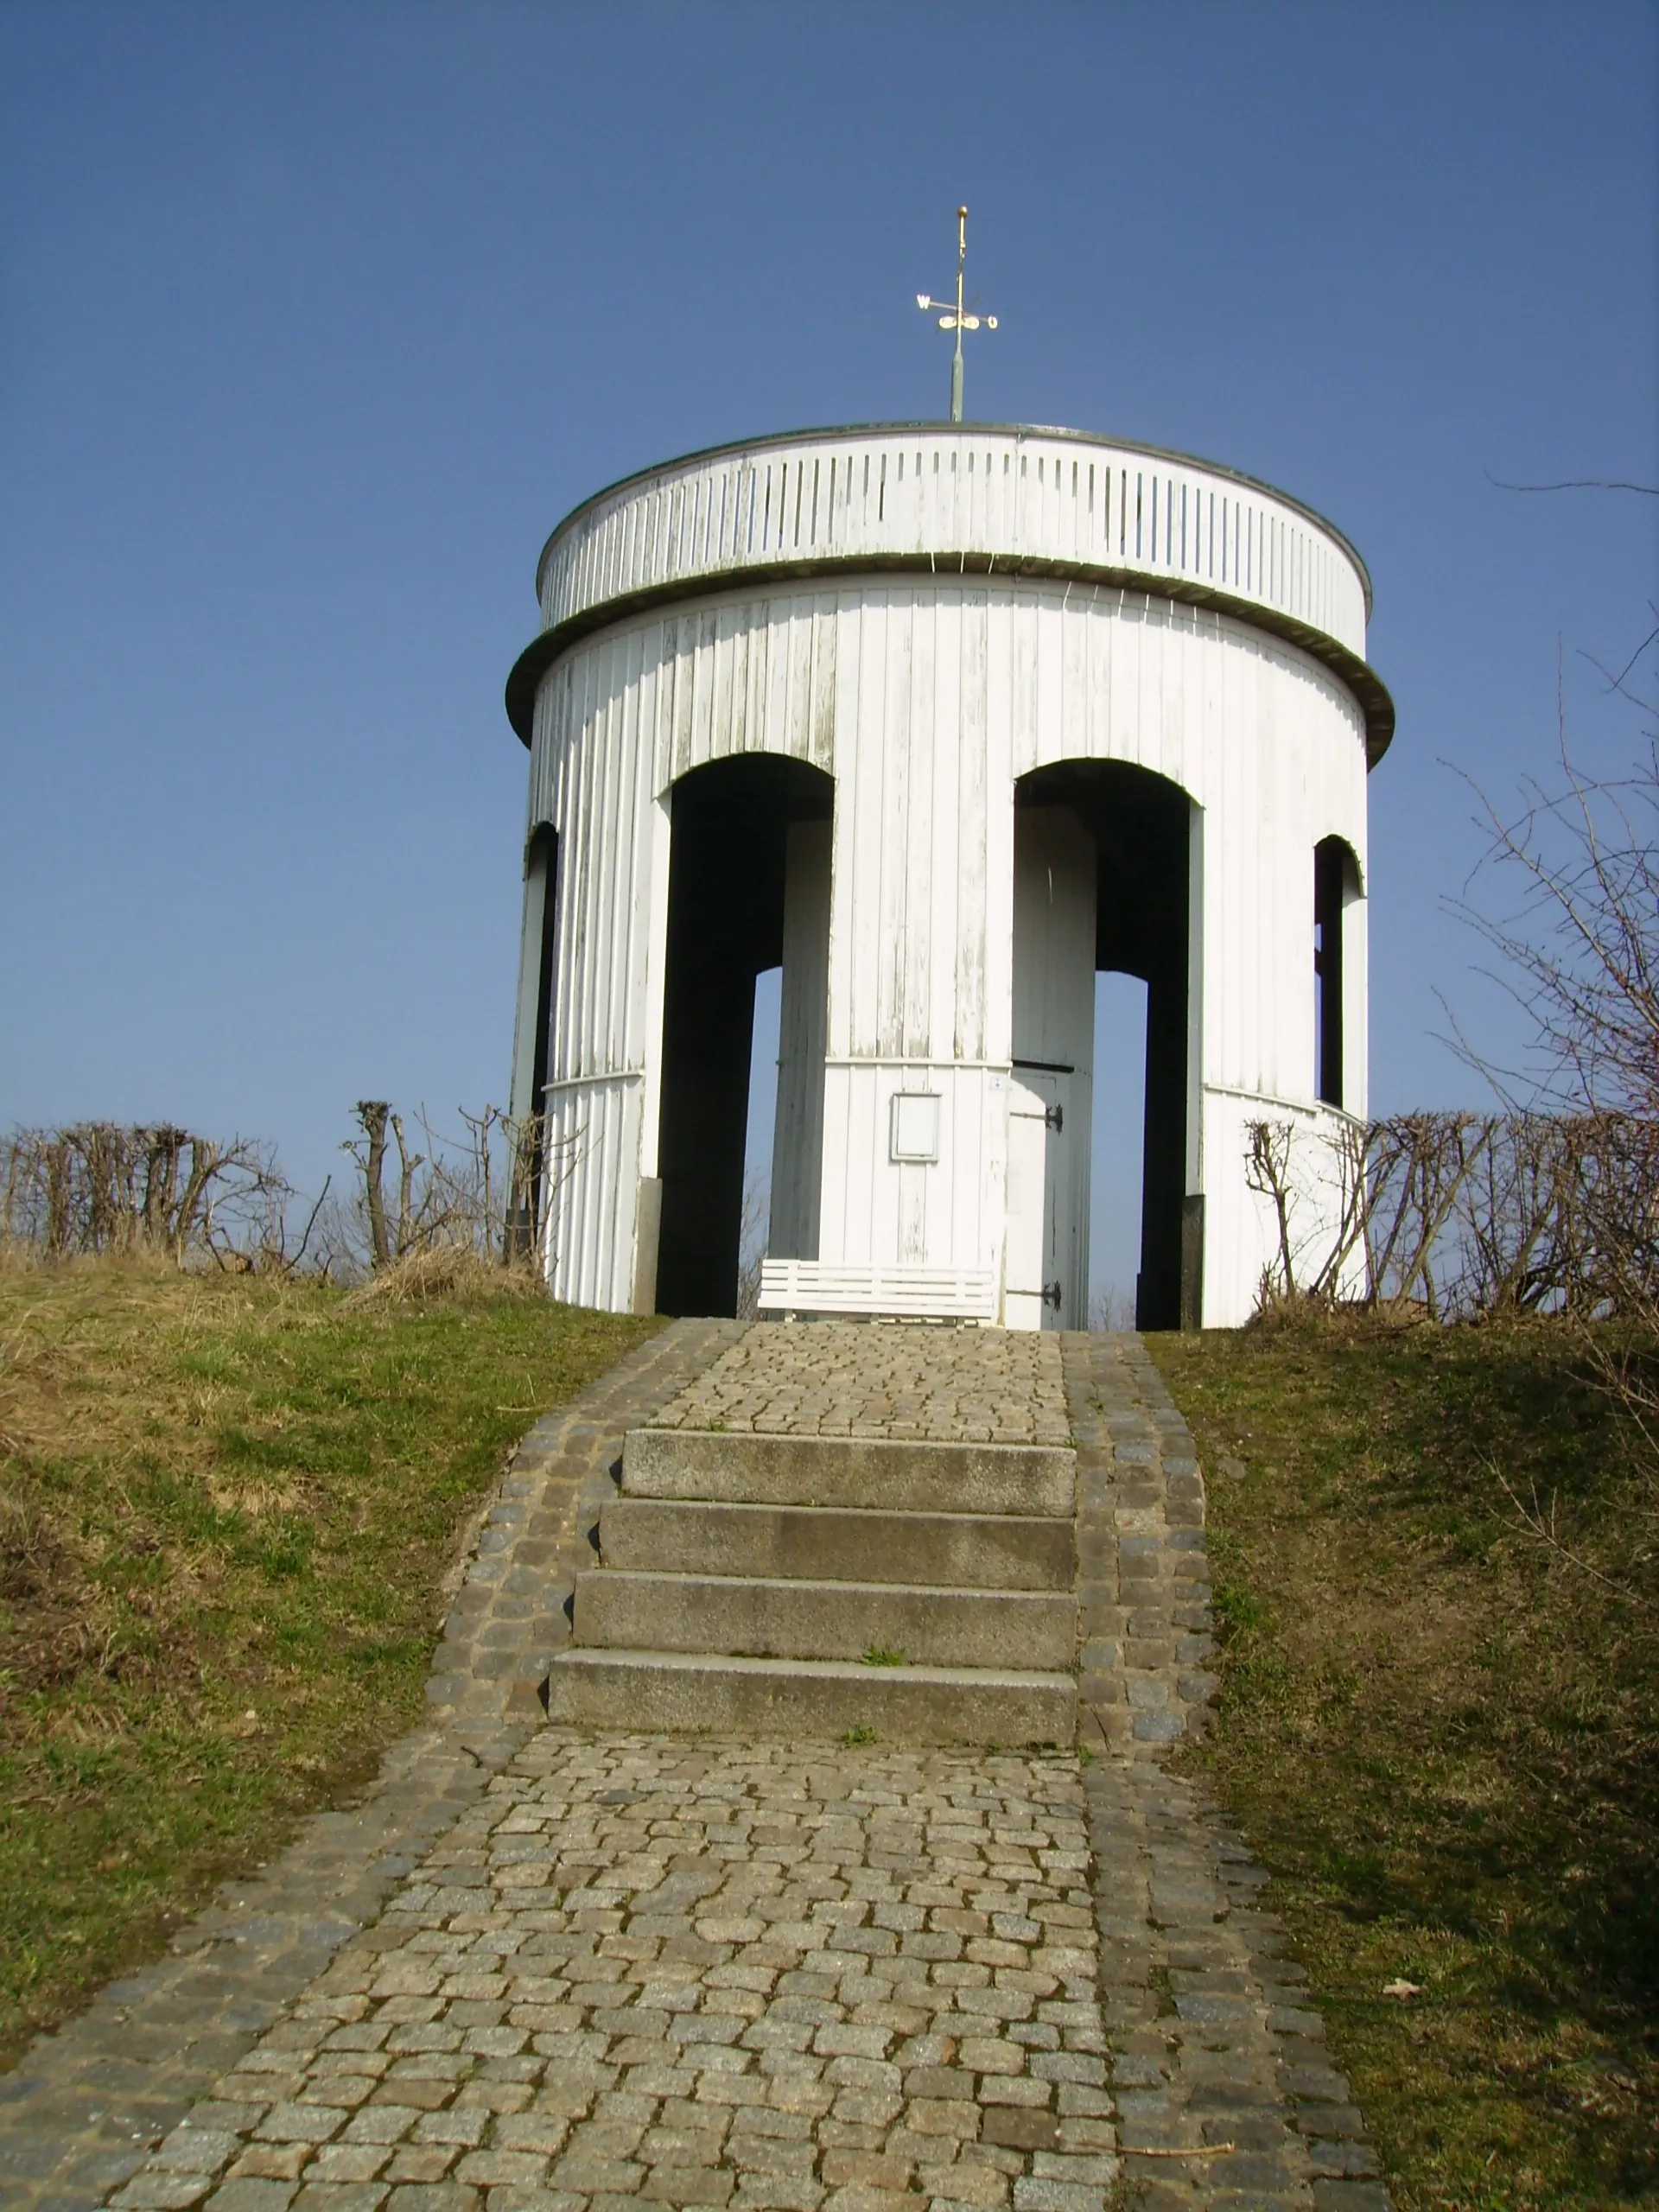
544,1970
882,1379
700,1973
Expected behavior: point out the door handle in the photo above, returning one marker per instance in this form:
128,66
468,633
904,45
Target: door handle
1055,1118
1050,1296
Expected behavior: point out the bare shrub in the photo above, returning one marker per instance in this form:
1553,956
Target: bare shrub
109,1190
1465,1217
1326,1176
1576,933
106,1189
1580,945
481,1191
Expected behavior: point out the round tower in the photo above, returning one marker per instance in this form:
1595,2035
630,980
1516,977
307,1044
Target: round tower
940,720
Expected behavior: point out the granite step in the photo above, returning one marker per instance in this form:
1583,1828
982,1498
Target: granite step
651,1691
891,1474
971,1551
774,1617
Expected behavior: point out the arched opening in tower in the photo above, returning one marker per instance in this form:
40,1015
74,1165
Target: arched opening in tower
1336,886
1104,853
748,889
534,1041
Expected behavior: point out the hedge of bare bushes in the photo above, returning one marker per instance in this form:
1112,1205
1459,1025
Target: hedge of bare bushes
113,1190
1467,1216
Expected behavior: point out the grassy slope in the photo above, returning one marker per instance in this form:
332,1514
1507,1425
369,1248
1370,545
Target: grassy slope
226,1511
1440,1737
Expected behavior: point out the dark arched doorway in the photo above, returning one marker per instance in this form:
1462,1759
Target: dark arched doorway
739,842
1141,828
1336,886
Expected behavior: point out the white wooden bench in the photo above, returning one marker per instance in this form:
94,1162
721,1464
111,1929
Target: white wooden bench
897,1293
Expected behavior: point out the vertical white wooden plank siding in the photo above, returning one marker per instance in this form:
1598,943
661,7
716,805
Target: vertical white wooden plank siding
569,820
869,492
1198,967
826,637
877,1229
969,829
597,882
642,959
1231,953
1355,1009
884,739
634,973
591,877
795,737
1000,772
1049,736
916,943
947,739
858,839
1071,733
926,698
558,1206
658,646
659,830
726,736
700,658
577,982
618,848
849,677
682,635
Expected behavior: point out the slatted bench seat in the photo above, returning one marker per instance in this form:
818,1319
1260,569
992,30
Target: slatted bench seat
894,1293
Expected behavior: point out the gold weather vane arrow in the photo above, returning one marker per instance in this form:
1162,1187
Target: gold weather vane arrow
956,318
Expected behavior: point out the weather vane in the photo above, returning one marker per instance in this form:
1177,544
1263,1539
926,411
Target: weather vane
954,318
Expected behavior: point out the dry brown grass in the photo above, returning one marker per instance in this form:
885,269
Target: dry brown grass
446,1271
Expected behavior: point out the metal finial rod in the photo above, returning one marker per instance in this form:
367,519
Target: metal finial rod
956,318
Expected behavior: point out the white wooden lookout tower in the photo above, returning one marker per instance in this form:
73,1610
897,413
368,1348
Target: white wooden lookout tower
940,719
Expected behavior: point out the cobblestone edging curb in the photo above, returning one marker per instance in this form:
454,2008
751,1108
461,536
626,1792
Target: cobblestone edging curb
511,1614
1143,1595
82,2108
1217,2048
1216,2042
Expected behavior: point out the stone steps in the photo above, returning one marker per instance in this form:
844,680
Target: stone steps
896,1475
663,1691
744,1578
969,1551
768,1618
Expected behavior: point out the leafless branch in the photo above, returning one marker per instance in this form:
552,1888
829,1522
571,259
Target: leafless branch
1577,484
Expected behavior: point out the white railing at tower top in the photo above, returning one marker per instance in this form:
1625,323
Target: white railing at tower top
984,497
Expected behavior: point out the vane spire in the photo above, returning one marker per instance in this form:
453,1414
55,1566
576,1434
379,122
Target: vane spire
956,318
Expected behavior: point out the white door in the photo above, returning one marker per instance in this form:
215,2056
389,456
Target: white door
1037,1266
1046,1279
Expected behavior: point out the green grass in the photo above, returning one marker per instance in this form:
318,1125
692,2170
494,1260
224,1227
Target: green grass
1440,1734
227,1512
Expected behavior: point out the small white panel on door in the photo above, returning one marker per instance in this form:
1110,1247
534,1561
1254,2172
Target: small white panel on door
914,1134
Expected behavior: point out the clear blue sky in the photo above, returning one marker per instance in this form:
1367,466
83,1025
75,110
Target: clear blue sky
314,321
